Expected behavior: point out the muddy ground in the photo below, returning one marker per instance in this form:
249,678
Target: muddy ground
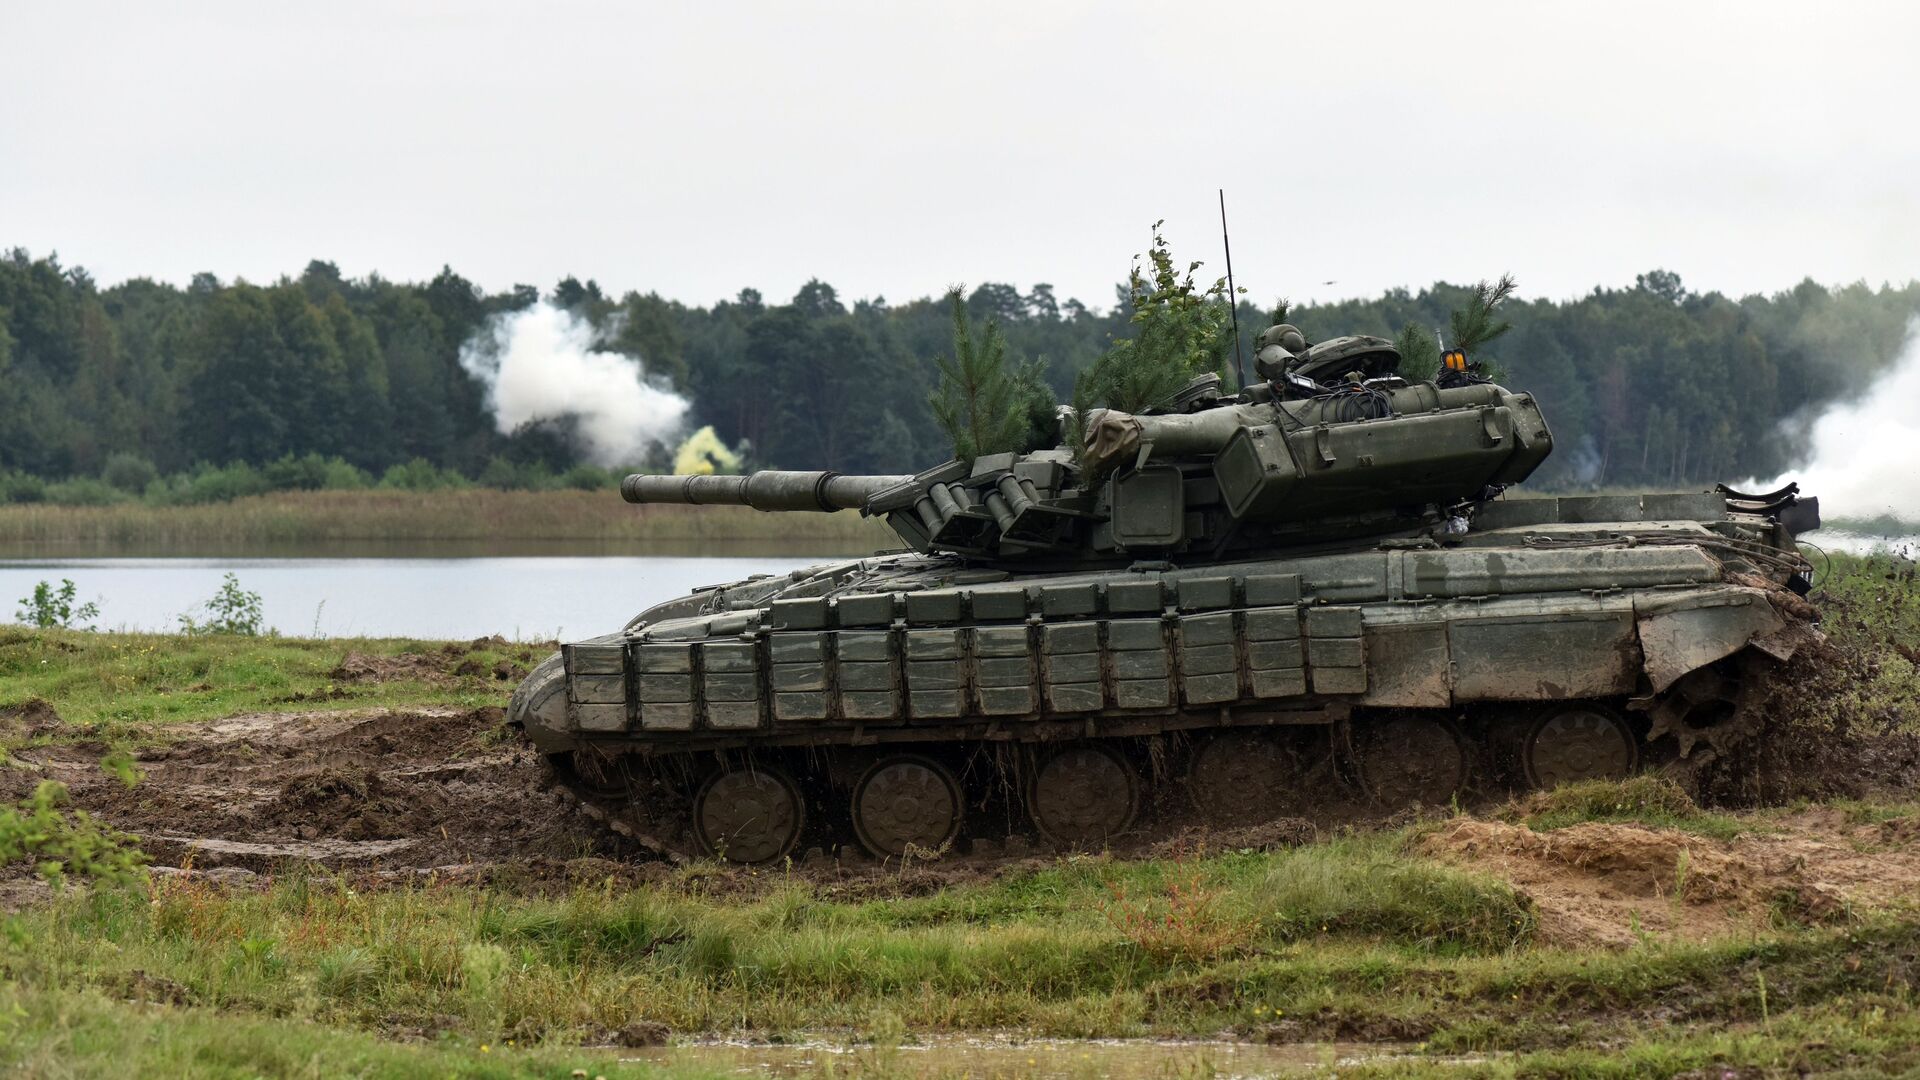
393,795
392,789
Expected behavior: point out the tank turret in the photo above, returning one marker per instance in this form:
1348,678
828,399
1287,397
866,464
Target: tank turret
1261,469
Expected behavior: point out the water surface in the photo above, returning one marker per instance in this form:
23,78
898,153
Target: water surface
525,597
965,1056
448,590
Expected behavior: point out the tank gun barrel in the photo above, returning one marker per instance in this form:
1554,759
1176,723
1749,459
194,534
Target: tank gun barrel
773,490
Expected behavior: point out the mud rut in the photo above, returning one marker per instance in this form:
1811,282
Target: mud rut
393,794
390,789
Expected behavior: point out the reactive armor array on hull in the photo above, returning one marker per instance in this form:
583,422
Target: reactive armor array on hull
1221,596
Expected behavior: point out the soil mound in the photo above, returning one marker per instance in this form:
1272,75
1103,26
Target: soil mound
447,664
29,719
1617,884
386,789
358,667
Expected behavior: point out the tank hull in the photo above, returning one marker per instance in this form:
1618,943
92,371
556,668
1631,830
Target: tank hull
890,693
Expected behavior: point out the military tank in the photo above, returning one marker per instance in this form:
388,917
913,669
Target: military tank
1243,598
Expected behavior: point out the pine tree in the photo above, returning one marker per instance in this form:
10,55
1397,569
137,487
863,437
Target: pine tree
1476,325
1473,327
1419,353
984,403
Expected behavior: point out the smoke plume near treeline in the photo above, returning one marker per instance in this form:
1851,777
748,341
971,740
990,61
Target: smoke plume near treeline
540,364
1862,458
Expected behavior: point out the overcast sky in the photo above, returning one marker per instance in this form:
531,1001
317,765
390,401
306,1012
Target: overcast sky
895,148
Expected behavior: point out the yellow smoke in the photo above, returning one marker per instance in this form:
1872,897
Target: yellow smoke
703,454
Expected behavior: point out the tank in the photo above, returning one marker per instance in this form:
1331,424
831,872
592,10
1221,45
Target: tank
1233,607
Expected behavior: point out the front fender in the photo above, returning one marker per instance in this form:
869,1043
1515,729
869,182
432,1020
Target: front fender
1683,633
539,707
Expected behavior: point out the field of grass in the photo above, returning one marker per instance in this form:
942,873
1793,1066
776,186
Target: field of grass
1359,937
1354,938
295,517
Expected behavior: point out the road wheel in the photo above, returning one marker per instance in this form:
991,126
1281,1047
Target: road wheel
1405,759
907,803
749,815
1578,741
1083,796
1243,777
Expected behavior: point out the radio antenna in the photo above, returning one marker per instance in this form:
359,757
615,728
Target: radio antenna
1233,297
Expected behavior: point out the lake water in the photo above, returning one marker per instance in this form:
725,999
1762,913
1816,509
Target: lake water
1863,544
446,592
531,597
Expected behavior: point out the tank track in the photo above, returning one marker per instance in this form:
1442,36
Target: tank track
1007,801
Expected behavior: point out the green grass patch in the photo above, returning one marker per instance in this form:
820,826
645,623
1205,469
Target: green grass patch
1652,801
1353,938
131,687
1870,606
1054,956
91,1033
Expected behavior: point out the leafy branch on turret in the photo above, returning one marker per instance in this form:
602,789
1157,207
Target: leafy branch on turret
1180,331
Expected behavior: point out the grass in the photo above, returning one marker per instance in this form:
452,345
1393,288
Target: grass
1349,939
1887,525
1872,601
90,1033
783,957
1647,800
308,517
1870,608
118,687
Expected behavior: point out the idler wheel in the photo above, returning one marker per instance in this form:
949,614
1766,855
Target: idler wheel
1410,758
906,803
1242,777
1082,796
748,815
1579,741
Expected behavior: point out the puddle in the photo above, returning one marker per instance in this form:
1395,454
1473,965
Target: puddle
977,1058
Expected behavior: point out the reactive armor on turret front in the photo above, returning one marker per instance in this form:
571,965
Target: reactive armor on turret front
1319,569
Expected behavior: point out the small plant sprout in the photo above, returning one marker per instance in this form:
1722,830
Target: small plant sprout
49,607
232,610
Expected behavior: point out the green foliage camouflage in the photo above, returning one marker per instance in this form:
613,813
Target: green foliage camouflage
60,843
1178,331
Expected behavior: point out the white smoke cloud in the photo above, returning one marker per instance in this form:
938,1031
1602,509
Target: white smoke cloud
1864,457
539,363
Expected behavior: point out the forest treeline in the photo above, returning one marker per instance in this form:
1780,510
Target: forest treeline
223,388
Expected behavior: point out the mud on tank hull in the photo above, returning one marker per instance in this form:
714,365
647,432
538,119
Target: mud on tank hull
906,703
